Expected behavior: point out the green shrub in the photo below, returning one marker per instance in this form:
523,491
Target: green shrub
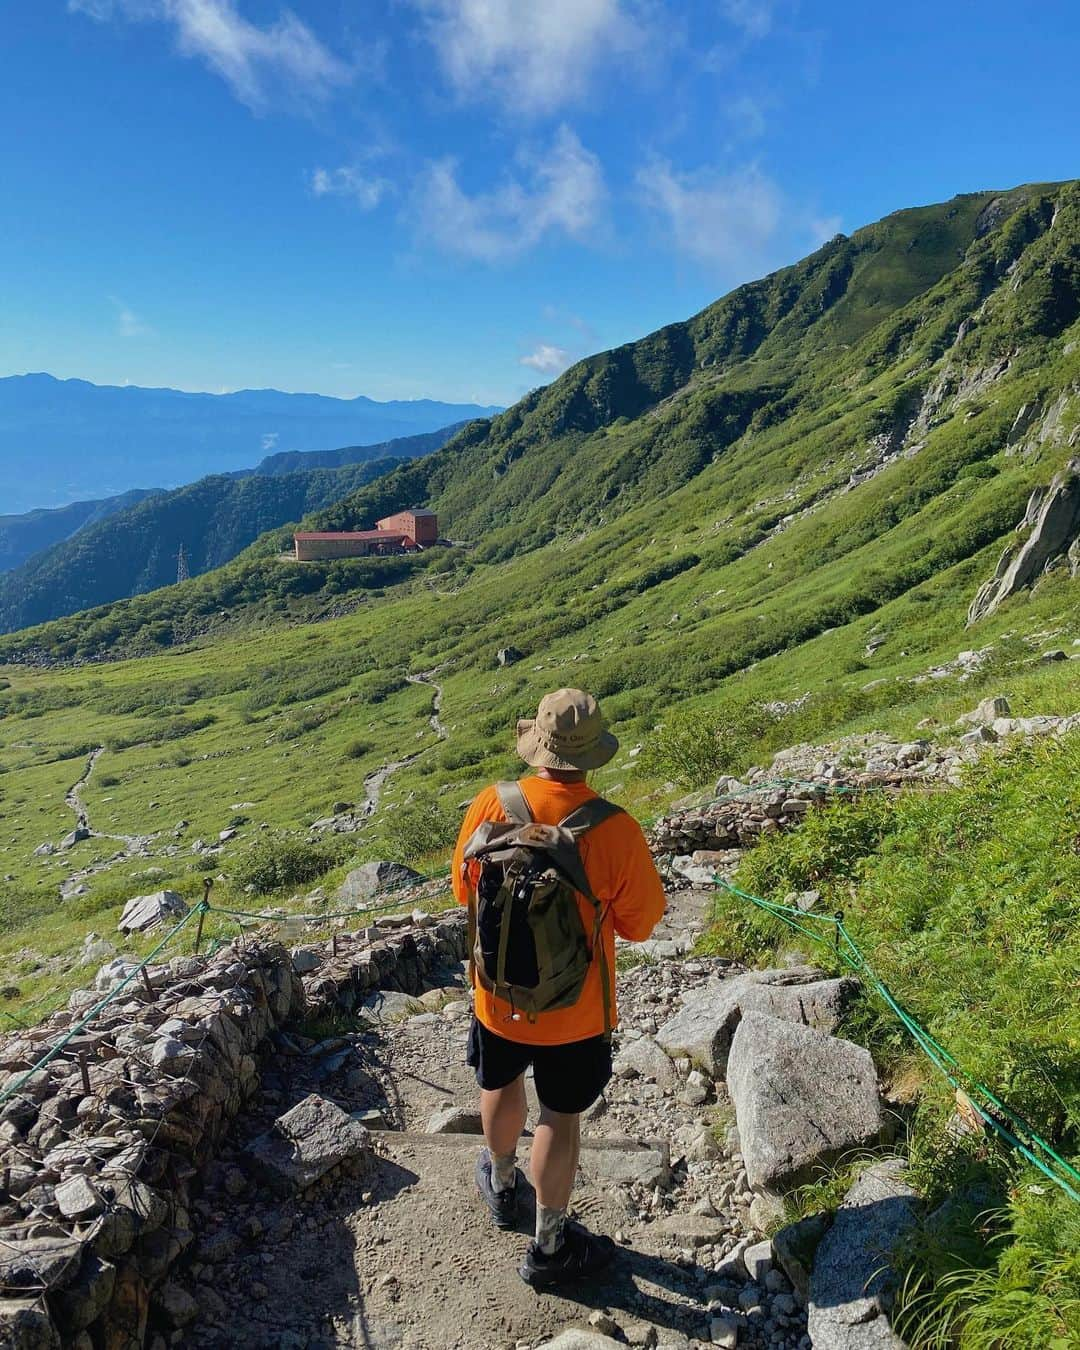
423,825
358,748
277,861
694,746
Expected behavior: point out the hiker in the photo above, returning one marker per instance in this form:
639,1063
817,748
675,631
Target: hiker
545,905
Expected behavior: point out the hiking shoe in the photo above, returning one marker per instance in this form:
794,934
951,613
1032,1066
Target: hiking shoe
503,1204
580,1253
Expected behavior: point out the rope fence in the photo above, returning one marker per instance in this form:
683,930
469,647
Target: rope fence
1010,1127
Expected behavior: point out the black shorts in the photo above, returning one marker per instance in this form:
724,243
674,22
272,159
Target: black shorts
568,1078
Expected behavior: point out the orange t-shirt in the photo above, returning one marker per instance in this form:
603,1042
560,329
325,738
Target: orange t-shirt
621,873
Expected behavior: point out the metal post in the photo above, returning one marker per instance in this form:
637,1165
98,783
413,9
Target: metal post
151,993
84,1069
839,917
333,943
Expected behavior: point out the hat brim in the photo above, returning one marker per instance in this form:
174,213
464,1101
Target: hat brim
538,756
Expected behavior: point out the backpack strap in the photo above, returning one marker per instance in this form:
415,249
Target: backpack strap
512,800
579,822
588,815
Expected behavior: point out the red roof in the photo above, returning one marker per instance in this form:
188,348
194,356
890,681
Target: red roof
373,536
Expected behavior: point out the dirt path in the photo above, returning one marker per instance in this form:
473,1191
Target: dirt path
406,1258
426,677
133,845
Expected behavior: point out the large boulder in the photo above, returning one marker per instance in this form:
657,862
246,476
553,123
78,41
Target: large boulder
371,877
851,1285
703,1027
802,1099
306,1143
145,911
643,1058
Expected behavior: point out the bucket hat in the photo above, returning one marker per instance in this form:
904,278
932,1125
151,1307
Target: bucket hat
568,732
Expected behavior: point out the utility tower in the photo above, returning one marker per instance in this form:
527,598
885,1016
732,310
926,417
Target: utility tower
182,572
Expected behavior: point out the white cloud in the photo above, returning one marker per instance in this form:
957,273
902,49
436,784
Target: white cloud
724,220
563,192
547,359
753,17
254,61
347,182
824,228
534,55
128,323
270,440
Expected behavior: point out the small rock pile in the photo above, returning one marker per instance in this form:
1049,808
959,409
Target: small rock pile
709,834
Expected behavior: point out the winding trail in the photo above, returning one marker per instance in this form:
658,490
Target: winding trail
425,677
134,845
375,782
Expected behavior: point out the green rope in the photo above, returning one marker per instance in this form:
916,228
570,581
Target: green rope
100,1006
1021,1136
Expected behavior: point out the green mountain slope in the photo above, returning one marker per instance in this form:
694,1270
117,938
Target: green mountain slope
869,392
22,536
214,519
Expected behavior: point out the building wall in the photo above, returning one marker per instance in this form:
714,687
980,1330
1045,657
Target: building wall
314,550
424,529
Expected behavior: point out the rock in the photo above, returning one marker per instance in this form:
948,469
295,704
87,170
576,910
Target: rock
724,1329
691,1230
47,1260
83,1301
695,1091
988,711
622,1163
307,1142
25,1324
225,835
980,736
44,850
371,1118
76,836
1052,657
705,1024
390,1003
454,1120
758,1261
372,877
801,1099
794,1247
304,960
1054,516
176,1304
851,1286
643,1058
144,911
578,1338
339,808
78,1198
765,1211
509,656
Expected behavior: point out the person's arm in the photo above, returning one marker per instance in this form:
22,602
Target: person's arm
639,901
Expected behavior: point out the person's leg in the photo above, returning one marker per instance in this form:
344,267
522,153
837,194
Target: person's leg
503,1112
500,1070
553,1164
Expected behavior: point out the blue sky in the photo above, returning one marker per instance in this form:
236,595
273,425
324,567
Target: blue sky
455,198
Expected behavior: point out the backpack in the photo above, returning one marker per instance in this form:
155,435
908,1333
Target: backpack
527,942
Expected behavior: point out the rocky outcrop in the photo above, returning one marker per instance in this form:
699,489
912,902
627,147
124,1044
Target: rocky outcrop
372,877
703,1027
802,1099
851,1285
1053,516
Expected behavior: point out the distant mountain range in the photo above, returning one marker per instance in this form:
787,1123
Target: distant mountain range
63,441
128,544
